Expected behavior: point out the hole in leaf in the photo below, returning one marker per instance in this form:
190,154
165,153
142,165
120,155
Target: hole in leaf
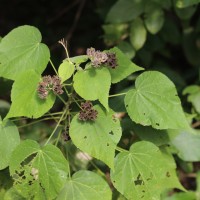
108,144
143,191
168,174
144,113
139,181
157,124
114,118
85,137
111,133
30,182
126,106
176,94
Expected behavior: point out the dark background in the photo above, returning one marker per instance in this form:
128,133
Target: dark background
75,20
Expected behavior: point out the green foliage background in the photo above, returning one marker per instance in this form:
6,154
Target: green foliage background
158,36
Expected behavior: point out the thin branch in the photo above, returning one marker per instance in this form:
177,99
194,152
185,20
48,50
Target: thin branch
62,12
76,19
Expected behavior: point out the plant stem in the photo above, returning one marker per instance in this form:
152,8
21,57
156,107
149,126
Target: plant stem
61,99
68,164
76,103
53,66
58,138
121,149
51,114
115,95
35,122
61,118
97,168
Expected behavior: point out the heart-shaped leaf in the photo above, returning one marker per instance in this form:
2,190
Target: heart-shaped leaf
135,175
153,98
85,185
65,70
93,84
38,172
98,138
21,50
25,100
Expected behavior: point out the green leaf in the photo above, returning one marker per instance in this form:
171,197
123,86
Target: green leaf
135,176
25,100
185,3
146,133
138,34
21,50
124,66
154,19
93,84
98,138
155,102
12,194
185,139
38,172
123,11
77,60
85,185
182,196
114,33
65,70
9,139
193,92
186,13
127,49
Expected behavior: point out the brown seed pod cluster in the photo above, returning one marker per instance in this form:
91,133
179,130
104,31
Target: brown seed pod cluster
87,113
47,84
98,58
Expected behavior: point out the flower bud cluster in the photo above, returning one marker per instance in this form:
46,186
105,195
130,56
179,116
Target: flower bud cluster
87,112
98,58
47,84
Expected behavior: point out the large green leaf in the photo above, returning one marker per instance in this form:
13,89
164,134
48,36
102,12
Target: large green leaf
98,138
138,34
124,66
25,100
123,11
155,102
9,139
21,50
135,175
65,70
93,84
85,185
38,172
